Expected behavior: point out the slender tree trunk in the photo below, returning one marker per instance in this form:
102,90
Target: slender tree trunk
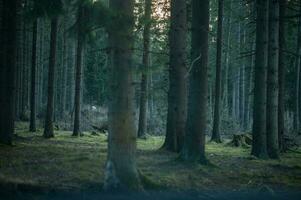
71,76
151,102
259,146
7,69
177,95
272,80
242,82
251,89
216,122
41,65
32,126
296,121
23,73
226,84
48,129
65,69
142,127
18,62
234,99
78,75
121,168
194,144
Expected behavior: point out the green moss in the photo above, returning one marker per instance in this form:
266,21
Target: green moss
78,162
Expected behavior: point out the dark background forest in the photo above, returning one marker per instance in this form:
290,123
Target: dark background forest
165,99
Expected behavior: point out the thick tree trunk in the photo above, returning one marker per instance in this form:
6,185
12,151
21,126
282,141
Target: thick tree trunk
194,146
281,74
32,125
177,94
216,122
7,69
142,126
78,74
259,147
121,168
272,80
48,129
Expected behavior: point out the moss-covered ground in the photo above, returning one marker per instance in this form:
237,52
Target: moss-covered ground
77,163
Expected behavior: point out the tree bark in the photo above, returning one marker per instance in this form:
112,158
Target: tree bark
65,68
177,94
32,125
7,69
281,74
216,122
78,74
226,81
121,167
242,78
272,80
194,144
48,129
142,127
296,121
259,146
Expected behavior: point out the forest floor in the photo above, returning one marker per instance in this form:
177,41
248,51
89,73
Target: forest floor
71,164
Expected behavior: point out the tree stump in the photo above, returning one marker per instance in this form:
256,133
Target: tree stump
241,140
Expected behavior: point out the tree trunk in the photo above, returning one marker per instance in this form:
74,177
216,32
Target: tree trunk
7,69
281,73
23,73
41,66
297,80
194,144
32,126
259,147
142,127
78,74
121,168
272,80
65,68
216,122
242,81
177,94
48,129
226,81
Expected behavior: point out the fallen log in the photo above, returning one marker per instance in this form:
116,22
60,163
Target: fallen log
102,129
